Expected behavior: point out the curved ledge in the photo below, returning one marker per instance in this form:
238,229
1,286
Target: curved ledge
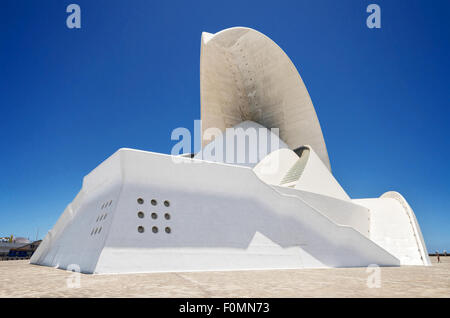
414,224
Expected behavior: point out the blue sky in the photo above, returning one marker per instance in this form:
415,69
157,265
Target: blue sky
70,98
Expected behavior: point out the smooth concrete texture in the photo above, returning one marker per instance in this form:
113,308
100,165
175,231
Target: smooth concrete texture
339,211
389,215
274,167
214,225
19,279
318,179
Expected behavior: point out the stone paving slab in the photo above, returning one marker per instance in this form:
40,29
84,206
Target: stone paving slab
20,279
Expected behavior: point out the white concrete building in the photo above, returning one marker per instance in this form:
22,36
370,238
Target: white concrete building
140,211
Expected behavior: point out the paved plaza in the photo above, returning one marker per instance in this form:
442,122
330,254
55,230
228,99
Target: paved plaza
20,279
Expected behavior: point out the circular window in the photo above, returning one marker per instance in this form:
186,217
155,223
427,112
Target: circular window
167,216
140,229
140,201
140,214
155,229
154,216
167,203
153,202
168,230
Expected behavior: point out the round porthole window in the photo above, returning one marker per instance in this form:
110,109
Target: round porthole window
140,201
153,202
154,229
140,214
168,230
167,216
167,203
154,216
140,229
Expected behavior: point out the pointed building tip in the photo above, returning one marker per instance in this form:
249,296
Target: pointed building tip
206,36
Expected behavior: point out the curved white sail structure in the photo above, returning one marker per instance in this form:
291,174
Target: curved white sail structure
244,75
280,207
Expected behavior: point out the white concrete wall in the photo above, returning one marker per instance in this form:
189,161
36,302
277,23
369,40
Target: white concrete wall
274,166
342,212
222,218
221,225
395,229
318,179
70,240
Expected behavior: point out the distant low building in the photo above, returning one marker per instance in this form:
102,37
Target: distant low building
5,247
18,249
25,251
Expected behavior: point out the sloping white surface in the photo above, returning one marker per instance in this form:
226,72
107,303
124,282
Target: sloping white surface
79,235
313,177
274,166
341,212
213,225
393,227
318,179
